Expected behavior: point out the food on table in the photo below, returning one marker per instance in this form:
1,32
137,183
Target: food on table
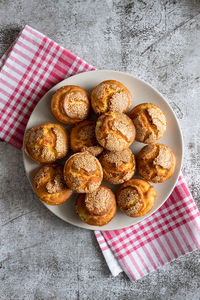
82,138
156,162
110,95
119,166
70,104
83,172
49,185
150,122
96,208
115,131
46,143
136,197
109,137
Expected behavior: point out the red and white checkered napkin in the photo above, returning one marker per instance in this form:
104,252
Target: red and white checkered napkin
30,67
172,231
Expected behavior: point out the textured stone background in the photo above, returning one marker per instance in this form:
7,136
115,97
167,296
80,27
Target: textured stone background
41,257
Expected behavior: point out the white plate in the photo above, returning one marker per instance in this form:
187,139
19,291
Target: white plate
141,92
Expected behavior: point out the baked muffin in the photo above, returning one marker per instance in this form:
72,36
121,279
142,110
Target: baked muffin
83,172
96,208
46,143
150,122
136,197
49,185
115,131
156,162
70,104
118,167
110,95
82,138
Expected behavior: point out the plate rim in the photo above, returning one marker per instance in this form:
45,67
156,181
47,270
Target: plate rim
179,130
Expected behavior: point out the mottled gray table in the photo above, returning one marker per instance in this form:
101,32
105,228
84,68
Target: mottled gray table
42,257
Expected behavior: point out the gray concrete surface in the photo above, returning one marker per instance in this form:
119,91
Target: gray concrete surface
41,257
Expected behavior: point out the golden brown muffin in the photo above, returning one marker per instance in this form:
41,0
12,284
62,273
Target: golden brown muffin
115,131
70,104
136,197
46,143
83,172
156,162
110,95
150,122
49,185
118,167
96,208
82,138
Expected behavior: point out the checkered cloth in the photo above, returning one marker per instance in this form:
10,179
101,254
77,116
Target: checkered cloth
30,67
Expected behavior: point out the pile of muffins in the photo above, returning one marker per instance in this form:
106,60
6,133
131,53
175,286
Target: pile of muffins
108,138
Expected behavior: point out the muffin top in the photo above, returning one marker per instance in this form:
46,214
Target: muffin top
118,166
110,95
150,122
46,143
83,172
99,201
49,184
136,197
82,138
115,131
70,104
156,162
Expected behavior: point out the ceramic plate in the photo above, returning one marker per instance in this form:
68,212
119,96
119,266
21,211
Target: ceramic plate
141,92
